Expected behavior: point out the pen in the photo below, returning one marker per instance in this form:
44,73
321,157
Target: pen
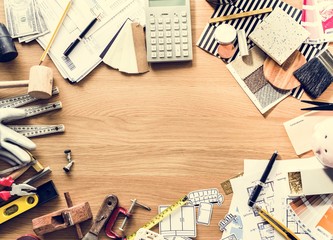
257,189
286,232
76,42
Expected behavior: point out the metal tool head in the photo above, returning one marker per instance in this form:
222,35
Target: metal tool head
105,211
22,189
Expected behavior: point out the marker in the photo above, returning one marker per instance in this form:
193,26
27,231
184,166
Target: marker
71,47
257,189
278,226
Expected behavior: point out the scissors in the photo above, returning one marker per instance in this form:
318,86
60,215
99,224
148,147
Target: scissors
320,105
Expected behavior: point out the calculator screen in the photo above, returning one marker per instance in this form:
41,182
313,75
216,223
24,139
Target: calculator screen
163,3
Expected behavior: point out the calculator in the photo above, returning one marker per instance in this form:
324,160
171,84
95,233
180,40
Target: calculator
168,30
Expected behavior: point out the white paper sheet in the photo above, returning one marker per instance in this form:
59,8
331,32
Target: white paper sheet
85,57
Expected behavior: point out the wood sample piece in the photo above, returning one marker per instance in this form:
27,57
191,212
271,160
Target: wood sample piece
61,219
282,76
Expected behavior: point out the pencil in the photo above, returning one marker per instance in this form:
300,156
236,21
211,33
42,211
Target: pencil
55,32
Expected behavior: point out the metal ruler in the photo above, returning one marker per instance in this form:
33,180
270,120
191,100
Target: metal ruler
158,218
37,130
22,100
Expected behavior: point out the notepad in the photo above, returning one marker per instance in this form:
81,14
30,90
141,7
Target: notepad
279,35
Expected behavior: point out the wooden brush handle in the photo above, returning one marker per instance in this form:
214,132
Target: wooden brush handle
10,84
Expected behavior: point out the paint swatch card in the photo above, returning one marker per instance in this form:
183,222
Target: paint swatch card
314,213
302,182
248,71
317,19
279,35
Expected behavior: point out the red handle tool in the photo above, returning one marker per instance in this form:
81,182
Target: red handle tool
112,220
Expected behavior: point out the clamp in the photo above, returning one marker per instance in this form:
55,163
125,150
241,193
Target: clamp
113,218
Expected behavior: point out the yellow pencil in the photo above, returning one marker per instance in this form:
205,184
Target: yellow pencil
282,229
55,32
240,15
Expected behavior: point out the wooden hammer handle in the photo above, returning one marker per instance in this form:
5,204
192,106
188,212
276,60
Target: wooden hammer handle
9,84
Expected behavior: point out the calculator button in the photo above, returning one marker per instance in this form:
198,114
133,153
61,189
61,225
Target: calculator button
160,34
183,14
168,47
153,55
160,28
185,40
176,26
177,40
176,33
185,47
152,27
153,34
153,41
176,20
168,33
184,20
152,20
169,54
168,40
161,41
153,48
167,20
184,27
160,20
184,33
185,53
177,50
161,47
167,26
161,54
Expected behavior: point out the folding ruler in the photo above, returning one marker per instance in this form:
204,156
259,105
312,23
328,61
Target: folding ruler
22,100
37,130
33,130
158,218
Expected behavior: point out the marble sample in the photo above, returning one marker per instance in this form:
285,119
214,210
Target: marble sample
279,35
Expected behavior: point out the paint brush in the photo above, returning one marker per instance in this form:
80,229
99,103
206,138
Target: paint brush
316,75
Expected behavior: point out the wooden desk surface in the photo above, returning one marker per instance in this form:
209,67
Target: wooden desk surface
154,137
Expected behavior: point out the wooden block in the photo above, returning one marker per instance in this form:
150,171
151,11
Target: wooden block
40,82
62,219
282,76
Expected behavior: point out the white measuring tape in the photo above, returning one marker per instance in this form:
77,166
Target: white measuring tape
22,100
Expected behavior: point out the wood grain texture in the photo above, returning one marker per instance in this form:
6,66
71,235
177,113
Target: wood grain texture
154,137
282,76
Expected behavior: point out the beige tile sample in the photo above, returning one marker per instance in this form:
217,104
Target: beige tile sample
279,35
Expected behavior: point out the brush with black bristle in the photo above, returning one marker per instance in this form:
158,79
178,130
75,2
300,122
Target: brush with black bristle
316,75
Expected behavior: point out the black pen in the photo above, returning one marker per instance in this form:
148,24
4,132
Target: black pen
257,189
76,42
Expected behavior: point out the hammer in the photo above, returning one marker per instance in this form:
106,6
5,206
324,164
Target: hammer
39,84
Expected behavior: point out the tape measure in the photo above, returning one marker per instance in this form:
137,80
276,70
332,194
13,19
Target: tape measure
37,130
158,218
22,100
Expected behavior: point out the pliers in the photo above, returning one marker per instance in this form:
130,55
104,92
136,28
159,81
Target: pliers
16,189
